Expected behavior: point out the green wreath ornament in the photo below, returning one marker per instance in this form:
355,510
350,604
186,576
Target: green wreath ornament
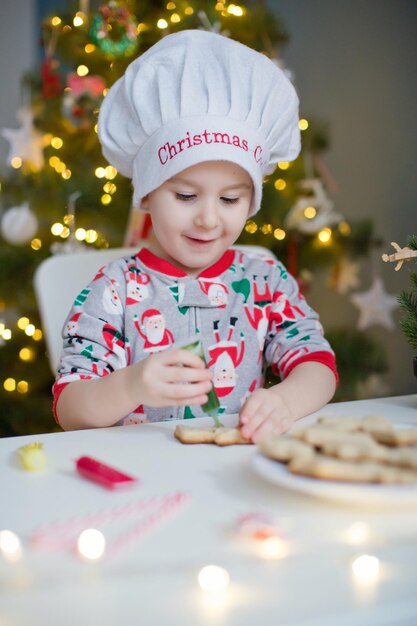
114,30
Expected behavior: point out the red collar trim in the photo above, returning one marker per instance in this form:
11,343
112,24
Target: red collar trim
160,265
155,262
220,266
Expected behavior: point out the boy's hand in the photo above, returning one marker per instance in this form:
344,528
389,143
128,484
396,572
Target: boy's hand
173,377
264,413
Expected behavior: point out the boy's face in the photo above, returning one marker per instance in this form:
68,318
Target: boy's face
199,213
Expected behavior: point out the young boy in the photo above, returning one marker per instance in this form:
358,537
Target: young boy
196,122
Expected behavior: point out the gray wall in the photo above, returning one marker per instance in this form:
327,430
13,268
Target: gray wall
354,63
18,52
355,67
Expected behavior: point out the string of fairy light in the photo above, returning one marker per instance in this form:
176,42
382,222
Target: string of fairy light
26,353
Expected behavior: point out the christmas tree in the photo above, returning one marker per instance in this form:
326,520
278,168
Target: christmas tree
58,194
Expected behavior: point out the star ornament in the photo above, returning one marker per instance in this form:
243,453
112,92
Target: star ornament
375,306
25,142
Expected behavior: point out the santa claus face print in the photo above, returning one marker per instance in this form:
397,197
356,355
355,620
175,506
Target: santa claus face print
111,300
199,213
224,376
71,327
217,295
137,287
154,328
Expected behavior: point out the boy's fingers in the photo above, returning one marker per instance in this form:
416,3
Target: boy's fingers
175,357
269,425
187,358
198,400
250,409
265,429
252,423
177,392
177,374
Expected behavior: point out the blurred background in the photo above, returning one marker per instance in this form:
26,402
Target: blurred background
329,216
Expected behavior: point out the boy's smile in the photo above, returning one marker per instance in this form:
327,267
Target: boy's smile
198,214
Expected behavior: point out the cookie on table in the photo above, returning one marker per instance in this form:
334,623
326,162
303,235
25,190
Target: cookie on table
402,457
284,448
318,436
403,437
230,437
352,424
349,445
192,434
376,422
221,436
328,468
359,450
354,447
346,424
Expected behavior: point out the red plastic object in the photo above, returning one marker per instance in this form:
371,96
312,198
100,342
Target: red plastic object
104,474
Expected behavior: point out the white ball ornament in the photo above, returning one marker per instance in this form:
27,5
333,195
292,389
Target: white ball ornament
19,225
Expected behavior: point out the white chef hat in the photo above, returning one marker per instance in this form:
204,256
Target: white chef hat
198,96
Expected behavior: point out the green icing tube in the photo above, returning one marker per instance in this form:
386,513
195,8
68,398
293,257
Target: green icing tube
212,406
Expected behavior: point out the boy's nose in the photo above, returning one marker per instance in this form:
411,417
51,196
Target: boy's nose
208,216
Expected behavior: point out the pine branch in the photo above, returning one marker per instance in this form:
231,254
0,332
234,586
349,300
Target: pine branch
412,242
409,328
408,305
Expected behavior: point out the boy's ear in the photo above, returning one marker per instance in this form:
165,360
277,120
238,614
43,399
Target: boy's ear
144,203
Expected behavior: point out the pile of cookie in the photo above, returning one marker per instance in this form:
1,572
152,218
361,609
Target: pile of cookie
367,450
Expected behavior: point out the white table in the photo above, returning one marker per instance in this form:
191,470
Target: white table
154,580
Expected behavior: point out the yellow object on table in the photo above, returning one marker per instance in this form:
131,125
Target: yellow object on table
32,457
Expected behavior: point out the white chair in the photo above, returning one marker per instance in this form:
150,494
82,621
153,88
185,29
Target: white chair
59,279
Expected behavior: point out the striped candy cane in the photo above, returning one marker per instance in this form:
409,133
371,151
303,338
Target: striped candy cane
152,512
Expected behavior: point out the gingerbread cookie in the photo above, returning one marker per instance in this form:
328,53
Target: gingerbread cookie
221,436
284,448
375,422
367,450
345,424
318,436
403,437
352,424
353,449
328,468
403,457
230,437
188,434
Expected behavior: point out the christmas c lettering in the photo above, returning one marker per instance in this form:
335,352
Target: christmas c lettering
170,150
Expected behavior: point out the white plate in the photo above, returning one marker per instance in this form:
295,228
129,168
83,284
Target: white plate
277,473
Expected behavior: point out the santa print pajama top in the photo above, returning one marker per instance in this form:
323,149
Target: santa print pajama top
246,310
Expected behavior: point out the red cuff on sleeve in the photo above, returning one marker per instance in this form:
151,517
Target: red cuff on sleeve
57,389
323,356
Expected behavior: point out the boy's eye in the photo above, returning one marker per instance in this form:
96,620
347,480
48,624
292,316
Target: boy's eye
229,200
185,197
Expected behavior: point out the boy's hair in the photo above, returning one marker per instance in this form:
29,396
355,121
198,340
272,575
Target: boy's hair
197,96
